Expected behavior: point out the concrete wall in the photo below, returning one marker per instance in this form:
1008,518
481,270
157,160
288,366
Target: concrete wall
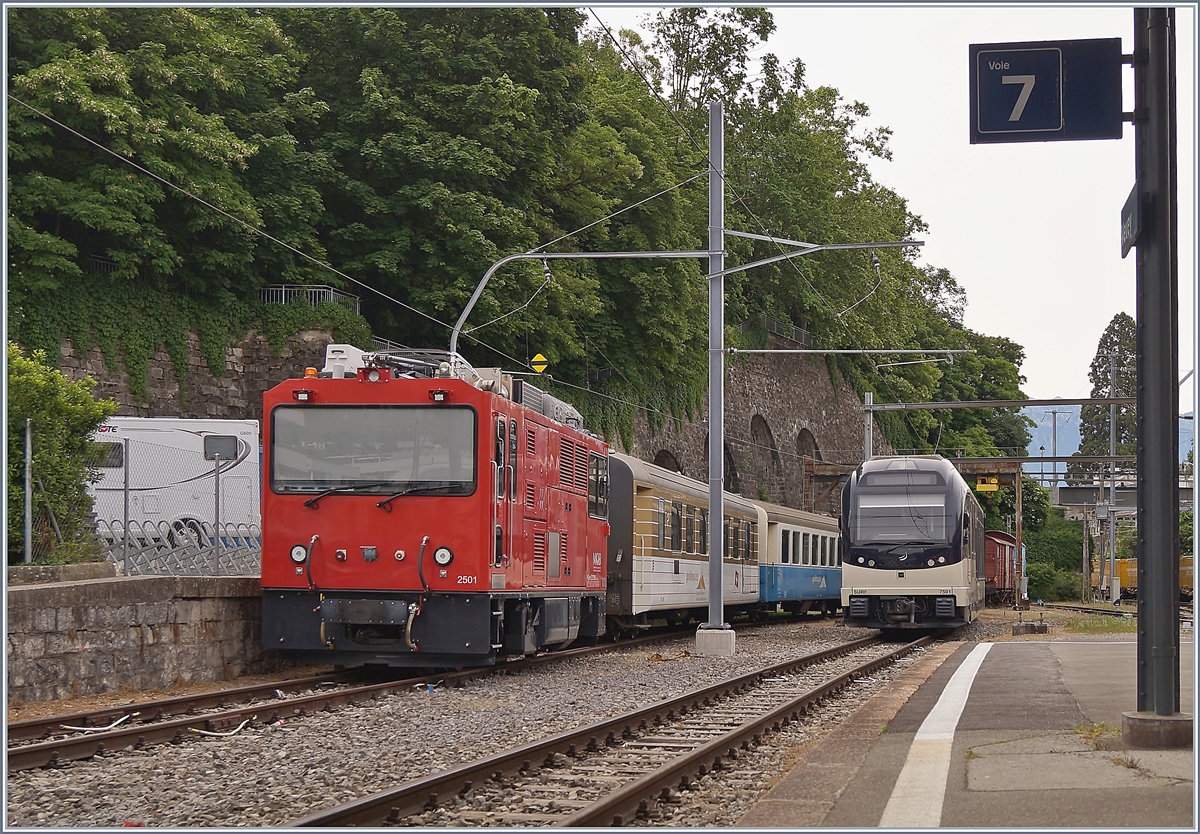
103,635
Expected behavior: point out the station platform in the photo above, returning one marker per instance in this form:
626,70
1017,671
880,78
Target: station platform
1034,742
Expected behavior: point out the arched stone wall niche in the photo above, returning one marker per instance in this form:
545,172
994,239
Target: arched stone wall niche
666,459
767,465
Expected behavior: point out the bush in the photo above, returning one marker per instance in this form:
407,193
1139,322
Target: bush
64,418
1051,584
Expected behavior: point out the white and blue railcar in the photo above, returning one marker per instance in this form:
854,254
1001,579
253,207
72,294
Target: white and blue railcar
800,565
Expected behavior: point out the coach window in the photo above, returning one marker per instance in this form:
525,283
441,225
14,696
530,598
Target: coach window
837,543
804,552
597,486
689,529
824,551
703,531
751,530
662,524
796,547
784,540
676,526
735,538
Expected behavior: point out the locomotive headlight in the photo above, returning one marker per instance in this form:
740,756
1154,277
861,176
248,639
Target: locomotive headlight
373,375
299,553
443,556
930,563
871,563
942,560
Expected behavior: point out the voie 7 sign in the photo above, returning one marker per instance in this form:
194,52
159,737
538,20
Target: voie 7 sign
1045,91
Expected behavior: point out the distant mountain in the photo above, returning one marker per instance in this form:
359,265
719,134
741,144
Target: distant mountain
1068,434
1045,434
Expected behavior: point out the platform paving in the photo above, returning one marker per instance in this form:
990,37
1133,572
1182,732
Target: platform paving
1037,745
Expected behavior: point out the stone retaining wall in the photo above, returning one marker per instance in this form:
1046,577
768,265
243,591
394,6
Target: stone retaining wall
103,635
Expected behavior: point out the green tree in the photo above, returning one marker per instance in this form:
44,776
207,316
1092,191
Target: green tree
1000,506
1118,345
190,95
797,168
64,417
1059,543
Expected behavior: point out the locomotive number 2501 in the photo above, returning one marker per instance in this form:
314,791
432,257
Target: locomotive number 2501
467,580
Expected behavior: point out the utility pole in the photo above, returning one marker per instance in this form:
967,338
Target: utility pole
716,637
1054,412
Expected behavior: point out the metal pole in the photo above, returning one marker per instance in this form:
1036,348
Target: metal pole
217,508
1019,526
1158,365
125,521
1112,484
868,424
716,364
28,490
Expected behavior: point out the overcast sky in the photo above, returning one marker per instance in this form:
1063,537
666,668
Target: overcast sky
1030,230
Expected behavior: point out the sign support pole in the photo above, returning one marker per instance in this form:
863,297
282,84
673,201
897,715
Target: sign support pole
1157,721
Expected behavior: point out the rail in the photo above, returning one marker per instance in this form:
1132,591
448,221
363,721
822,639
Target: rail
417,796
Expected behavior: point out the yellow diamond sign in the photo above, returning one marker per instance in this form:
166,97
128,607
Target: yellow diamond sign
539,363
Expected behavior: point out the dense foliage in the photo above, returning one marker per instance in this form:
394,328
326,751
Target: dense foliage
64,417
411,148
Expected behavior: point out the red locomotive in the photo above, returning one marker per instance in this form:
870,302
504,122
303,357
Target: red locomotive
420,512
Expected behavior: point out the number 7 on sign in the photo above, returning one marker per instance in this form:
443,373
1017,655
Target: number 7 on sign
1026,82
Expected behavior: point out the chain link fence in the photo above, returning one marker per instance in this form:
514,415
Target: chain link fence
170,511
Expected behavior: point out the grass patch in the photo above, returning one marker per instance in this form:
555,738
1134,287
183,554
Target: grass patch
1101,624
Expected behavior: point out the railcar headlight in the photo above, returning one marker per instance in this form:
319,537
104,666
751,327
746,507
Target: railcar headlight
299,553
942,560
871,563
931,563
443,556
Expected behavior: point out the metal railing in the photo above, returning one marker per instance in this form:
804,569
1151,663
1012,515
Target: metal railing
313,293
192,549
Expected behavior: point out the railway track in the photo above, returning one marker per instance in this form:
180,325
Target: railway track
51,741
611,772
1185,610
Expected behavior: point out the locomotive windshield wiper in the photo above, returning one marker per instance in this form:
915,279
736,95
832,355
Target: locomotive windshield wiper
386,503
907,544
312,502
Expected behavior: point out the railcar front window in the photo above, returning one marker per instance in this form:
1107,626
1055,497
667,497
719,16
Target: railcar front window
900,518
375,449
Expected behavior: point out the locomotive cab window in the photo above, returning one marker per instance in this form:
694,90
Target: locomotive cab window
900,517
374,449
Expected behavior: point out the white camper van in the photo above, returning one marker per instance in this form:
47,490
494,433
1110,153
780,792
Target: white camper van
174,470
